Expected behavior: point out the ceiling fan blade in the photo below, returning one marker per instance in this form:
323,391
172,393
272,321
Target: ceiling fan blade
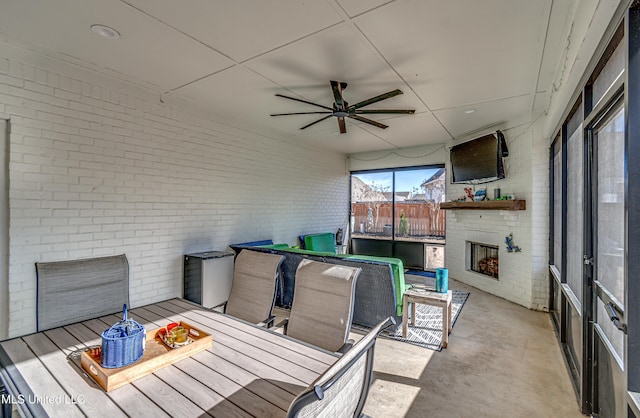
304,101
301,113
341,124
313,123
375,99
369,121
336,86
390,111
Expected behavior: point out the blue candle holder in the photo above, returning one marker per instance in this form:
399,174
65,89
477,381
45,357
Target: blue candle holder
442,280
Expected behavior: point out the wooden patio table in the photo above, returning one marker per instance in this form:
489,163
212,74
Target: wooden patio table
247,372
441,300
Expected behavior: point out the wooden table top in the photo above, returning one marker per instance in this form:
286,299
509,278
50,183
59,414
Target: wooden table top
247,371
427,293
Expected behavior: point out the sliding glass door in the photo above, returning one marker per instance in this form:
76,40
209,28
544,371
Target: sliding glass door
396,212
606,260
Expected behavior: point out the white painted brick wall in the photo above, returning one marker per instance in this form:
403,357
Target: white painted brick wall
540,218
99,168
523,277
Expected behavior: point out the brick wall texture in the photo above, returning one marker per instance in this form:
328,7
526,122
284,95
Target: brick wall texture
99,168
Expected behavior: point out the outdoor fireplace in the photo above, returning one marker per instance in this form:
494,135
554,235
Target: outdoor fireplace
483,259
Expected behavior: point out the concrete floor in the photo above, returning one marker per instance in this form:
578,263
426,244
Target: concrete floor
503,360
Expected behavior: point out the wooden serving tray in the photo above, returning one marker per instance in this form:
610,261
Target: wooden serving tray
156,356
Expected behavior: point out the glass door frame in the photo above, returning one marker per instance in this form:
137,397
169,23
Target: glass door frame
570,306
613,102
632,184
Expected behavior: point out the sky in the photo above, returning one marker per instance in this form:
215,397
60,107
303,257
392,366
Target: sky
405,180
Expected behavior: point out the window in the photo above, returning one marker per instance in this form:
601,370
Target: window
371,204
575,185
557,205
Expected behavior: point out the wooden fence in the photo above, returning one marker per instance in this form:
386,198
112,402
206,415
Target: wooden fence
424,219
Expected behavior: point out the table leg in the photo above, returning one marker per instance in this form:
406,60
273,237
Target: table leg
445,325
450,316
413,314
405,315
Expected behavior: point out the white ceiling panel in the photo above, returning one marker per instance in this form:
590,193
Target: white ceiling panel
403,131
459,52
237,96
555,43
229,59
411,130
305,68
541,102
147,51
242,29
497,113
353,141
355,7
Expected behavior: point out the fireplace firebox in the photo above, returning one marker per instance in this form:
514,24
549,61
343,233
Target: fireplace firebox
483,259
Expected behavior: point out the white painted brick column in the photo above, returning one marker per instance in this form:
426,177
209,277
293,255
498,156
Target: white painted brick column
517,281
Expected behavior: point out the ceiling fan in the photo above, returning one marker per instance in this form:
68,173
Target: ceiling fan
341,109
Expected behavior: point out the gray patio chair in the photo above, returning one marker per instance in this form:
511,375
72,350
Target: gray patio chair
253,291
77,290
342,390
5,404
322,306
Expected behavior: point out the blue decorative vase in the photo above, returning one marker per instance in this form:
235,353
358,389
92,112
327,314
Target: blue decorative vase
442,280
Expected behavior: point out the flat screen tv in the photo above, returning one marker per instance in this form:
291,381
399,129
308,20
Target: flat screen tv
479,160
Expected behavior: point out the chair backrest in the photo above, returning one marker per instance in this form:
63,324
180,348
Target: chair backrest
253,292
322,307
342,390
77,290
325,242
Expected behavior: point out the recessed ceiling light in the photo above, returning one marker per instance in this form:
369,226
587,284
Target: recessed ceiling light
105,31
469,111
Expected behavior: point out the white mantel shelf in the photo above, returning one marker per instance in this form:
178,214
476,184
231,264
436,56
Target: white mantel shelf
487,205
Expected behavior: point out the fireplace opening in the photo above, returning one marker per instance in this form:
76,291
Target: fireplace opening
484,259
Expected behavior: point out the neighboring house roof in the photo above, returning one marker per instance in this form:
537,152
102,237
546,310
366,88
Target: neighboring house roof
417,196
361,192
399,196
437,176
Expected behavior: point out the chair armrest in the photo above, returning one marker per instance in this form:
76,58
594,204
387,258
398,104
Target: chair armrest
267,323
284,323
223,304
346,347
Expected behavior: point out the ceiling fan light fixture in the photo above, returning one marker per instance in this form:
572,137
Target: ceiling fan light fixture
105,31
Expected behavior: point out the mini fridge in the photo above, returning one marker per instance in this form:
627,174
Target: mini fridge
208,277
